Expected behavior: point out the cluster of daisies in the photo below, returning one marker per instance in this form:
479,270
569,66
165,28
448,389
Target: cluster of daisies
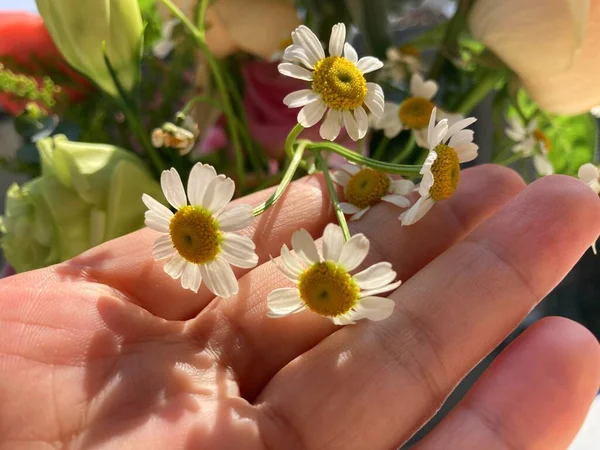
203,241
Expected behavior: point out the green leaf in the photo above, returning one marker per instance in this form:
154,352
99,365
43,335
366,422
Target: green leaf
573,142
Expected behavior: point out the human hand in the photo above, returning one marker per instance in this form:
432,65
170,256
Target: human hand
107,351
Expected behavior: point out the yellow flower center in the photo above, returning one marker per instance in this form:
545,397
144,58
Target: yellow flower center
328,289
195,234
415,112
367,187
542,139
409,50
340,83
446,173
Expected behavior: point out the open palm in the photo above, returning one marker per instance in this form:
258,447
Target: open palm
107,351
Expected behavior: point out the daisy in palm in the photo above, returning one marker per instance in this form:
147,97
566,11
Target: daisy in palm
448,148
323,281
198,239
339,90
414,112
531,141
365,187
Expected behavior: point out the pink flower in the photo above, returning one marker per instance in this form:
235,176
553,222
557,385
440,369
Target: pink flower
269,120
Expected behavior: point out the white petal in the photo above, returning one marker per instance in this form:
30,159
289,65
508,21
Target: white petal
333,242
235,218
431,127
421,88
466,152
291,262
174,267
402,187
331,126
350,54
348,208
360,213
354,252
304,37
393,130
421,138
588,173
439,132
542,165
301,98
460,125
375,100
163,248
218,194
304,246
345,319
157,208
295,71
418,210
375,308
341,177
337,39
239,251
311,113
369,64
219,278
172,187
352,169
351,125
397,200
284,301
295,53
200,177
381,289
376,276
191,279
156,222
362,121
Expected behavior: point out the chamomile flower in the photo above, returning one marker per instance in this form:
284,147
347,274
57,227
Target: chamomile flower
338,84
365,187
198,239
448,147
401,62
414,112
590,174
323,281
531,141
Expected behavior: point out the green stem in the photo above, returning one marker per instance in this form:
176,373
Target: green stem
511,159
201,18
333,195
359,159
184,20
381,148
502,154
406,151
487,83
287,178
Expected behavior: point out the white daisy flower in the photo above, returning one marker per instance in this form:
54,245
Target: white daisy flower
401,62
531,141
590,175
414,112
338,84
199,239
323,281
365,187
448,147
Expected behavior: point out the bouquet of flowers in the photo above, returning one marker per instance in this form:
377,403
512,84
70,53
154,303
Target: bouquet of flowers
122,100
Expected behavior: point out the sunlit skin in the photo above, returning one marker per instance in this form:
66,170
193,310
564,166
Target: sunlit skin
107,351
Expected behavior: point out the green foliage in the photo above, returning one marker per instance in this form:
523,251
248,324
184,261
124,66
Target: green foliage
152,22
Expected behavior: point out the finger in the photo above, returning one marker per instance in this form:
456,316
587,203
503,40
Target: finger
535,395
397,373
127,264
482,191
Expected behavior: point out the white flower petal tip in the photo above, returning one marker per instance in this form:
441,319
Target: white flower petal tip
198,241
324,284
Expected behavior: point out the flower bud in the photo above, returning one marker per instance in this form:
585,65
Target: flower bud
81,31
87,194
551,45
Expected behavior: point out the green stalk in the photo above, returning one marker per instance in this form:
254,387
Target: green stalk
406,151
322,164
511,159
487,83
407,170
198,99
287,178
381,148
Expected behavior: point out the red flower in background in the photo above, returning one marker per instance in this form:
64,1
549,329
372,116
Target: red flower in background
27,48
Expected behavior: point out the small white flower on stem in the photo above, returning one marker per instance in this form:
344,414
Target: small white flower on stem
531,141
